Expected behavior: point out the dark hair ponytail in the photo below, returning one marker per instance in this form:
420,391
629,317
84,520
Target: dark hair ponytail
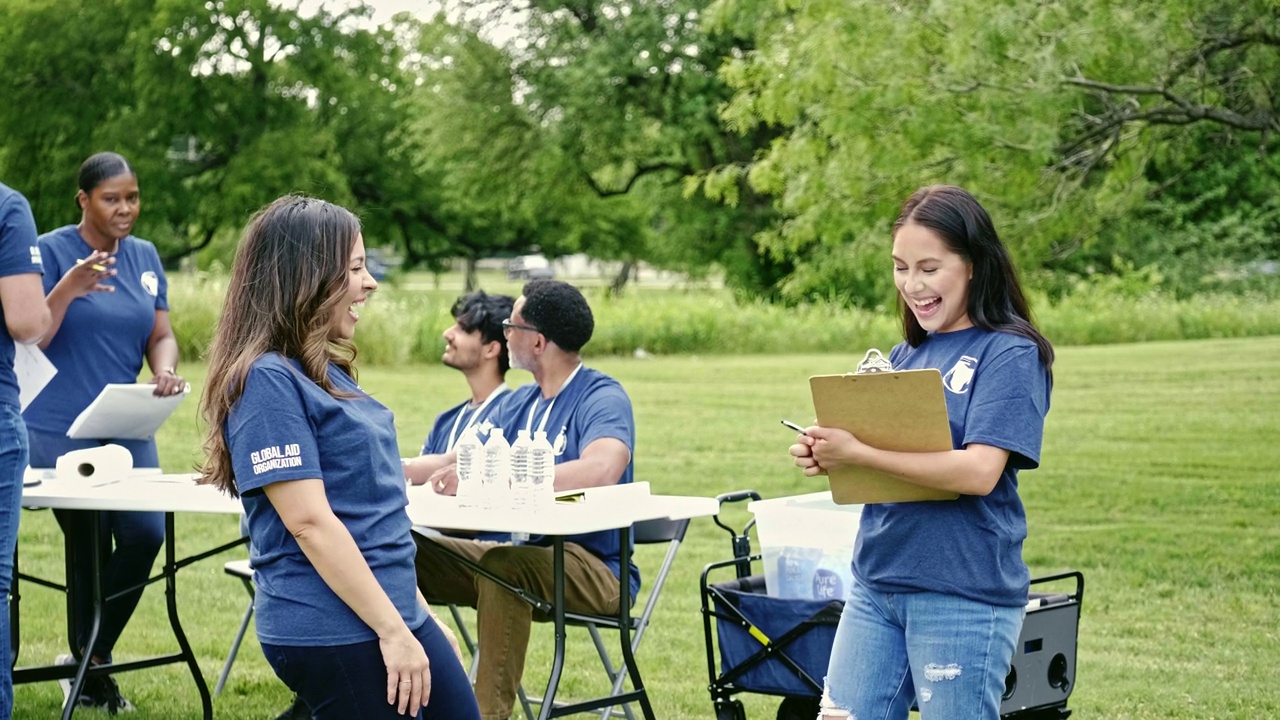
102,166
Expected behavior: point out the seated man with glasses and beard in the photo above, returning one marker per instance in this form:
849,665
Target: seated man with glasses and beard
588,420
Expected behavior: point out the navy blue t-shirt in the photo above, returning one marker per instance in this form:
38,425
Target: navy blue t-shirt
450,425
103,337
592,406
997,393
19,253
286,427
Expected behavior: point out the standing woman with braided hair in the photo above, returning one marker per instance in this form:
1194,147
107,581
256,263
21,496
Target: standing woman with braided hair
108,298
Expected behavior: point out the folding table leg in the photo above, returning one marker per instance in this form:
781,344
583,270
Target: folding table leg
557,614
171,601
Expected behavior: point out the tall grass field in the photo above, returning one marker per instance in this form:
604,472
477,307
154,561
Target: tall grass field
1157,482
403,321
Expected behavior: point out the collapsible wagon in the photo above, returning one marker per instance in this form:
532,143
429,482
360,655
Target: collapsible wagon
780,646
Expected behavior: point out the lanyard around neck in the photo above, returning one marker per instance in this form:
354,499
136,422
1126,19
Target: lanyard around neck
542,426
475,415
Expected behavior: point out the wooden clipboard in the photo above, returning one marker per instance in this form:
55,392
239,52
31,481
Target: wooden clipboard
901,410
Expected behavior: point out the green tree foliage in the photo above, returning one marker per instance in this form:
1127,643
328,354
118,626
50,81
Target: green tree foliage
1210,224
601,110
221,106
66,79
878,98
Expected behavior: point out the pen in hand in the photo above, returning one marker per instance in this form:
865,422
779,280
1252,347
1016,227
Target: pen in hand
794,426
95,266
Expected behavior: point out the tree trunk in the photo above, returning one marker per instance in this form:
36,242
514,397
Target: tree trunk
470,283
620,280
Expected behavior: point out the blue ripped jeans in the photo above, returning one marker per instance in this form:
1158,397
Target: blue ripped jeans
945,652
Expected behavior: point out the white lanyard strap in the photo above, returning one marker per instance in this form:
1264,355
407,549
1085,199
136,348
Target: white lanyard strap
471,420
542,426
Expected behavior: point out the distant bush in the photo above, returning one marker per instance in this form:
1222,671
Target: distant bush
404,326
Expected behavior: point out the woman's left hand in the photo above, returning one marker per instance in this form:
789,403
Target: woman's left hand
168,382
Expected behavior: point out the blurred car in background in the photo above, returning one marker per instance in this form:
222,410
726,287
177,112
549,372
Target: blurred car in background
529,267
379,262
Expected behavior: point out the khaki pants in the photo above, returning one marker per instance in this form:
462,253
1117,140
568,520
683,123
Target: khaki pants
505,620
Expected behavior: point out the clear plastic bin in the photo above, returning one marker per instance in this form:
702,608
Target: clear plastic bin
806,542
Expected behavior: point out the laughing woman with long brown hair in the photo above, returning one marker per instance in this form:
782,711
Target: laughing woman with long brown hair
316,464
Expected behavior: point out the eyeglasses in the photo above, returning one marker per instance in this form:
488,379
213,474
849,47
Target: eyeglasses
508,325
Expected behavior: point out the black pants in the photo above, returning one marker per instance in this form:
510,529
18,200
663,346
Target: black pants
350,681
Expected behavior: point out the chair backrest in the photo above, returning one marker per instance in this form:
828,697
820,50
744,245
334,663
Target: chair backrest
239,568
649,532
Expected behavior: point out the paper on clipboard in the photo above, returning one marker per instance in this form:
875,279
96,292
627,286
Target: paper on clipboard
901,410
125,411
33,370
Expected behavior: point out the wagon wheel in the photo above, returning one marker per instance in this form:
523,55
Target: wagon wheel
731,710
798,708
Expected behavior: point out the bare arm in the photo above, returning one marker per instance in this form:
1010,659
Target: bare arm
25,313
304,509
417,470
602,462
162,356
448,631
973,470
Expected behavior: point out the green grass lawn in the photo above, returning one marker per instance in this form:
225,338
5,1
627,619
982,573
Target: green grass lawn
1157,483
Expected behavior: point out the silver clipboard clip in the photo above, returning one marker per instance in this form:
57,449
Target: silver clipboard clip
873,361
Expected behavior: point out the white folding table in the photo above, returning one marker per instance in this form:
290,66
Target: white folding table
615,507
140,490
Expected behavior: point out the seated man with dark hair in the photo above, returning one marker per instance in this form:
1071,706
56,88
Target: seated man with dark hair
588,420
477,346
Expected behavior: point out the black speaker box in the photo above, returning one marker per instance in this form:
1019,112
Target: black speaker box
1043,673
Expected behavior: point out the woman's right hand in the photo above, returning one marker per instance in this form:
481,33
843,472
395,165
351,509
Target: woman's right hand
85,277
408,672
802,451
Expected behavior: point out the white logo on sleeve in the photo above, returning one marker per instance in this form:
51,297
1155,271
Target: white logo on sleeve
960,375
150,283
273,457
35,256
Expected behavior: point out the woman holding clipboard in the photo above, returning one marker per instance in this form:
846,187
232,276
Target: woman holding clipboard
940,588
107,294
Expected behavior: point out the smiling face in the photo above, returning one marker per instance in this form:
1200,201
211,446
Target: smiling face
111,208
359,284
932,279
463,350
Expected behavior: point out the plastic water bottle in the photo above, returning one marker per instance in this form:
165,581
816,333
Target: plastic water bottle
828,578
468,449
520,485
542,470
496,476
